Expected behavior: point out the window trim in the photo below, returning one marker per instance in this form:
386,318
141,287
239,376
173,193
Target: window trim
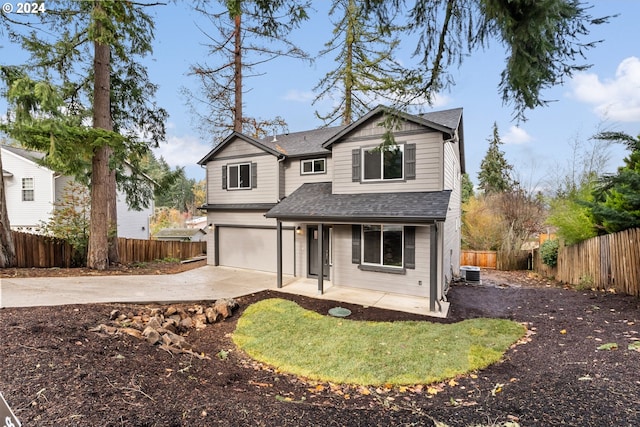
377,267
312,161
25,188
364,150
238,165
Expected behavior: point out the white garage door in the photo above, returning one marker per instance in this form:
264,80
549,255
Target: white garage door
255,248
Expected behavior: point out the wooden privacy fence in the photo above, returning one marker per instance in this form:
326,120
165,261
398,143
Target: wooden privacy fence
604,262
135,250
33,250
483,259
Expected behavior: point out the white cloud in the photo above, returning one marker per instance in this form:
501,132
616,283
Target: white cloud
298,96
440,100
181,151
516,135
615,99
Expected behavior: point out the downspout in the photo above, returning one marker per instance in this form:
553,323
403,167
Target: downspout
279,254
280,165
433,269
279,227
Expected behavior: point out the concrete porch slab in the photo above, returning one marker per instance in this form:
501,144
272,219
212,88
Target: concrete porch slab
367,298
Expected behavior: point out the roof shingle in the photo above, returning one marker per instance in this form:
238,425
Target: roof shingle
315,202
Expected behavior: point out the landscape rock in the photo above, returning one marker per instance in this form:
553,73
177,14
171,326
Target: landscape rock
168,327
211,314
152,336
225,306
154,323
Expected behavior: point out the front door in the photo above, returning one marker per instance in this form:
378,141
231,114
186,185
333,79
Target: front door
312,246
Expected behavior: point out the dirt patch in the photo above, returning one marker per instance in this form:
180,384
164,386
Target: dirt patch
55,371
154,267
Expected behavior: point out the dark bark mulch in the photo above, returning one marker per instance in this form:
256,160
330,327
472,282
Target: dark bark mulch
56,372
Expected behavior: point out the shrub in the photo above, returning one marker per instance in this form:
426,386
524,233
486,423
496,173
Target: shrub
549,252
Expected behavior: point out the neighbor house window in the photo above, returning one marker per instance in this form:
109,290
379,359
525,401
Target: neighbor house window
27,190
313,166
383,245
239,176
383,163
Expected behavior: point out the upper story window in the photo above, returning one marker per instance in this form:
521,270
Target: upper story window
239,176
376,164
27,190
313,166
383,163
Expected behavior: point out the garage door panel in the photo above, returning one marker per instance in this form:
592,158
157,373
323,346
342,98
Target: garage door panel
255,248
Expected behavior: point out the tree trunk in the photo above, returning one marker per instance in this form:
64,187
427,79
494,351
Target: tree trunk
237,118
114,254
7,251
98,255
347,115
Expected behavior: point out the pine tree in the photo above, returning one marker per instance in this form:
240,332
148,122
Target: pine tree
7,249
112,89
249,33
543,40
466,188
366,70
617,197
495,171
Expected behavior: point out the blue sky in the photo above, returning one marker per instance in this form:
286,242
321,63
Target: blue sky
607,96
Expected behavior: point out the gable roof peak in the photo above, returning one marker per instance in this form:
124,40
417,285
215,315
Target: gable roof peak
233,136
446,121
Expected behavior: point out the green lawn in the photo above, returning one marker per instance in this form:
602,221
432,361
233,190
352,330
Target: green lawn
283,334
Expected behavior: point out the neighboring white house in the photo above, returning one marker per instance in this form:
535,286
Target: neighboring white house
31,191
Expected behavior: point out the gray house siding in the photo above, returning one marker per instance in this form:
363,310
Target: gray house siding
428,165
346,273
452,225
240,152
294,179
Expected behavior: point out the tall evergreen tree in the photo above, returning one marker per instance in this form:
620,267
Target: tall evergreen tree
543,40
7,250
249,33
366,70
495,171
112,90
466,188
617,197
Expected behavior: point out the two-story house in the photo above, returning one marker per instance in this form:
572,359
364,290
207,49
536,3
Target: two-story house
31,191
332,200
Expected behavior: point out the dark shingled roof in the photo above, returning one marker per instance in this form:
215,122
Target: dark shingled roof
314,142
447,118
22,152
301,143
315,202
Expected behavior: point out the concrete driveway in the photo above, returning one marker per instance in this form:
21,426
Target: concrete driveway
205,283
